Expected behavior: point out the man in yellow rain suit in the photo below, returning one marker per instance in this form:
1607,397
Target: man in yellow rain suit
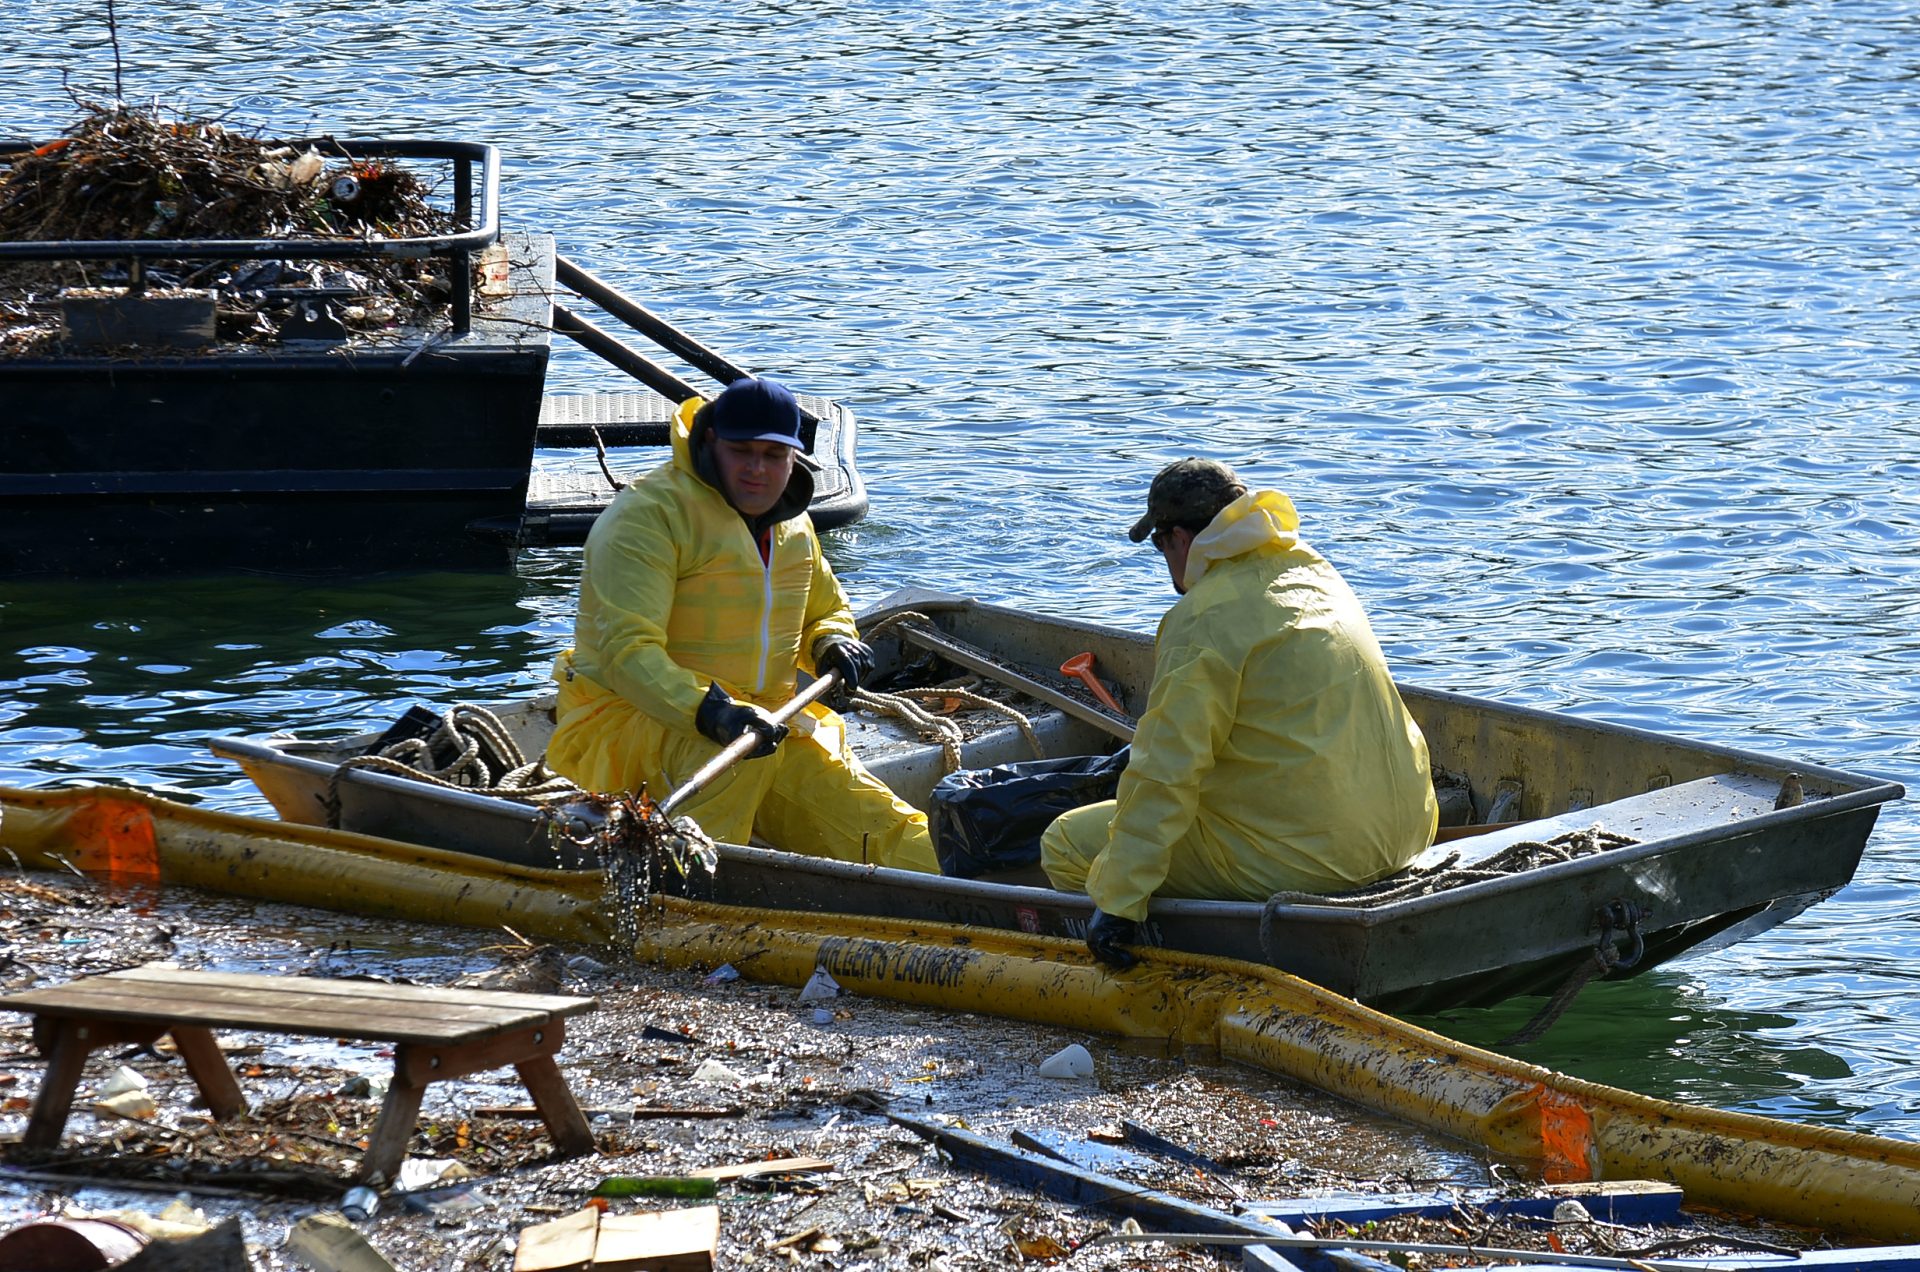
1274,754
703,588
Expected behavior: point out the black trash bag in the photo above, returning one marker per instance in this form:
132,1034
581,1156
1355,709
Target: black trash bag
991,819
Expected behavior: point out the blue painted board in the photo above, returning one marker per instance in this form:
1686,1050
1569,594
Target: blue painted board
1086,1187
1267,1259
1081,1152
1904,1258
1636,1203
1140,1136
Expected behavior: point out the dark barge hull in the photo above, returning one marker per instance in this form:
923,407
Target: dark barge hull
294,463
334,458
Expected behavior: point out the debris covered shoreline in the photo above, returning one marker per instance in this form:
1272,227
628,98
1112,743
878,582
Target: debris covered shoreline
678,1072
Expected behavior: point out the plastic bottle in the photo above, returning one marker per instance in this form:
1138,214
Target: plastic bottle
496,271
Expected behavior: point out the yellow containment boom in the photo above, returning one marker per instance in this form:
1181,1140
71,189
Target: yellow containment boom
1834,1180
129,837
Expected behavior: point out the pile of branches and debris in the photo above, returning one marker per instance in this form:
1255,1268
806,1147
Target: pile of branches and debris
130,173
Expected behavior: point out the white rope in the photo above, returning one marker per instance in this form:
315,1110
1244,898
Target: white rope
932,728
978,701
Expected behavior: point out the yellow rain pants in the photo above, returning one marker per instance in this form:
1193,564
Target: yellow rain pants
674,594
1274,754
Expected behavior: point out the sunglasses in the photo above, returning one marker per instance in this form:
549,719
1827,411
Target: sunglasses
1160,538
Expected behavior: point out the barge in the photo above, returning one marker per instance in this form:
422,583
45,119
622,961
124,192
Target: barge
143,441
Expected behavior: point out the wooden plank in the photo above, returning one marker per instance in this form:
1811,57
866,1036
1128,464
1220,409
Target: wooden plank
531,1112
372,1014
86,994
209,1071
1079,1151
427,998
778,1166
430,1062
558,1004
564,1245
659,1241
283,1017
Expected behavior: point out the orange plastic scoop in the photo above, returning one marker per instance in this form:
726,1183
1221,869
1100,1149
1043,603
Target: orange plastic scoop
1080,667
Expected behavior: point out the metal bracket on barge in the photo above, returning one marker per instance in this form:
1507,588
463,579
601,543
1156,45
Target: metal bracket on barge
563,500
146,433
564,497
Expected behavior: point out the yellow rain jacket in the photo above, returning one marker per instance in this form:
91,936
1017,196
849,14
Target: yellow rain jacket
1274,754
674,594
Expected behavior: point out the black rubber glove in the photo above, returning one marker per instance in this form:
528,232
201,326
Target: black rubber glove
851,659
1105,936
721,720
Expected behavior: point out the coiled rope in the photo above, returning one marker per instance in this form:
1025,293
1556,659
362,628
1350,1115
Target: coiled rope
486,761
940,729
900,703
1444,875
905,618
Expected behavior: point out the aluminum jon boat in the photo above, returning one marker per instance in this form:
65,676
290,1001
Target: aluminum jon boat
1709,845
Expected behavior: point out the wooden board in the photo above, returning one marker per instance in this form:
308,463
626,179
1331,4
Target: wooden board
368,1010
746,1170
565,1245
659,1241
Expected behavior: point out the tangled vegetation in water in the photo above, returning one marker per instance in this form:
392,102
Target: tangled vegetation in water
131,174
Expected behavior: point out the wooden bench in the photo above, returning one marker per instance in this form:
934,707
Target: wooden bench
1706,803
436,1033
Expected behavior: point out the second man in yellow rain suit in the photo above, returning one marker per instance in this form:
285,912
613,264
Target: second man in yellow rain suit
1274,753
703,588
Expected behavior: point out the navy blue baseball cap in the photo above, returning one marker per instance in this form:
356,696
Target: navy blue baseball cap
750,410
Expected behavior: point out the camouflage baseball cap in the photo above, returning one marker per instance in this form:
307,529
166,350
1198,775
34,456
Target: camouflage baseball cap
1188,492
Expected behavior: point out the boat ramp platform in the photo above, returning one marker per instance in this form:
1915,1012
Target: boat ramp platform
587,442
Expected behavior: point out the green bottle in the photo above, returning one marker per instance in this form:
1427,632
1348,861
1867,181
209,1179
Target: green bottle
656,1186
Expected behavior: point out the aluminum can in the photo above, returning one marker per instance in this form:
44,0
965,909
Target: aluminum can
360,1204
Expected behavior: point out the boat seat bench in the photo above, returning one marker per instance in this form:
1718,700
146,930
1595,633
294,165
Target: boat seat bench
1704,804
435,1032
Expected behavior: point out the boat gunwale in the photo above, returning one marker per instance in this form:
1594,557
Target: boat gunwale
1331,915
1536,715
242,749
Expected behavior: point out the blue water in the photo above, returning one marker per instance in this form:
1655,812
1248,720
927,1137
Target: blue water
1583,335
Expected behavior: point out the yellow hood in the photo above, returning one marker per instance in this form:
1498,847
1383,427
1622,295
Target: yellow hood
1257,519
